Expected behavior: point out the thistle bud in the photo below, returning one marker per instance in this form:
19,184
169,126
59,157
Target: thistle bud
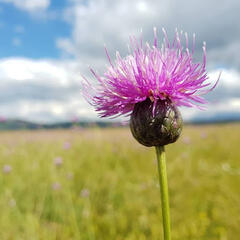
156,124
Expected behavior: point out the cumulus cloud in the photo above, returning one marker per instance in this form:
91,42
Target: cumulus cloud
50,90
224,101
109,22
47,112
29,5
96,22
41,90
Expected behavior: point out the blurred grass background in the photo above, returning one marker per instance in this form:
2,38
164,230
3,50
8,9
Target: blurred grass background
97,184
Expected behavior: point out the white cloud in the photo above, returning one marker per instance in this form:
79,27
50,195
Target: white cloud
109,22
227,55
29,5
44,71
230,78
49,90
47,112
42,90
224,99
99,22
216,111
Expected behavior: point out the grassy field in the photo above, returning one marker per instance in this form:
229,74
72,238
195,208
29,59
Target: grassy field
100,184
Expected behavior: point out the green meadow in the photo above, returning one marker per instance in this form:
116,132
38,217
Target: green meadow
100,184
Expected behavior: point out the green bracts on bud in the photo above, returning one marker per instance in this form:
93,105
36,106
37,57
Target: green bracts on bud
157,127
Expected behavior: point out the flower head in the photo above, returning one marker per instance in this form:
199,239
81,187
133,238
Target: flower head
165,73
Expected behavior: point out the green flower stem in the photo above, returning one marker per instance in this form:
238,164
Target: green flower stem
162,171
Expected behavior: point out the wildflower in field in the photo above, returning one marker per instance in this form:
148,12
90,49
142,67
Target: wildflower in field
69,175
58,161
203,135
3,119
75,119
85,193
86,212
149,84
56,186
7,169
226,167
12,202
187,140
185,155
66,145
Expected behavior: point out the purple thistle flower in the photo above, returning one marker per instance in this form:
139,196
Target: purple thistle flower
166,73
148,85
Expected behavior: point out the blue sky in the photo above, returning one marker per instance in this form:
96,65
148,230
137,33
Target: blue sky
46,45
23,34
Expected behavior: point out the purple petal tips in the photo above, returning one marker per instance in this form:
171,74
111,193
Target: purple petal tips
156,73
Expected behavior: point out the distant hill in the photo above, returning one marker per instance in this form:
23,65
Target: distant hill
15,124
220,117
20,124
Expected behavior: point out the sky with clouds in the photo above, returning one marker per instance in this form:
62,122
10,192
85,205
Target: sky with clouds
45,46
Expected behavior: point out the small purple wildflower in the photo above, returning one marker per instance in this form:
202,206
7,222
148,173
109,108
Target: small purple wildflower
187,140
75,119
58,161
85,193
166,73
69,175
204,135
3,119
67,145
7,169
56,186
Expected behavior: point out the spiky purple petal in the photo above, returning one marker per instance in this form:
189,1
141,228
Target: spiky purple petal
156,73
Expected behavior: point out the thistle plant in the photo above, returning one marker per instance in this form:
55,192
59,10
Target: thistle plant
149,85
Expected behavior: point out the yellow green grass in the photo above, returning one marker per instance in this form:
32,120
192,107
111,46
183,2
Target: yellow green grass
107,186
